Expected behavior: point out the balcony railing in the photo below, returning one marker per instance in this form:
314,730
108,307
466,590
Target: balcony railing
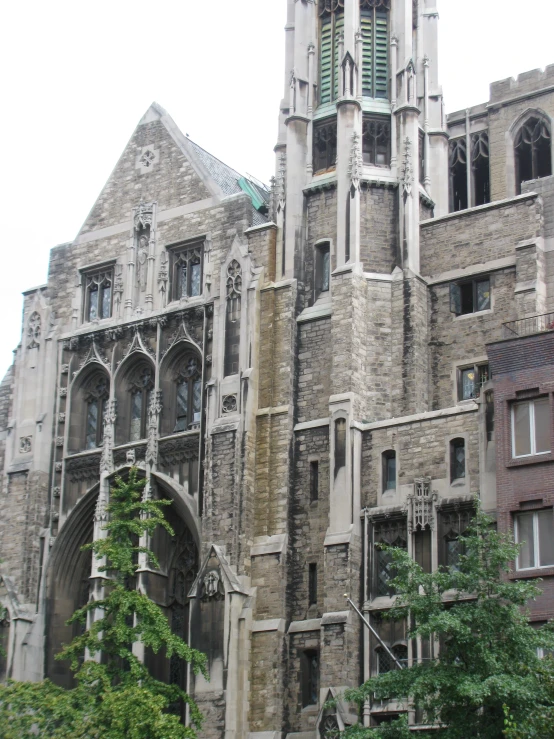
527,326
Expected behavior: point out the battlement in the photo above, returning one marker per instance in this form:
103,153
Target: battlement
524,83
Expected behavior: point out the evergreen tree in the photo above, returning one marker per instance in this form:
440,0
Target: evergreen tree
115,696
488,676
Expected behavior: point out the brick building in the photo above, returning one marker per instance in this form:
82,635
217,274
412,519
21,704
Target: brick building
304,370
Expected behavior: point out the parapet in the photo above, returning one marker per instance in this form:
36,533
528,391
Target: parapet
524,83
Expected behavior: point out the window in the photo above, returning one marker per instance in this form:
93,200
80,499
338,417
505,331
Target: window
389,470
422,548
531,427
188,388
385,663
96,396
340,444
309,667
98,294
457,459
314,481
471,380
470,297
186,272
232,319
322,269
421,157
393,533
480,168
325,146
533,531
452,525
331,29
312,584
140,388
458,174
532,148
374,21
376,141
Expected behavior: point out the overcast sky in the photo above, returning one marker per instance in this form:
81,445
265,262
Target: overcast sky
78,76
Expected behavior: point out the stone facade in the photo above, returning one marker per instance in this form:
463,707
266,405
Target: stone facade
297,368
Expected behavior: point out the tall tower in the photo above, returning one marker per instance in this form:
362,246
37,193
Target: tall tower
362,108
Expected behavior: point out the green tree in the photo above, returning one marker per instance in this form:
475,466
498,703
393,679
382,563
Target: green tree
116,698
488,676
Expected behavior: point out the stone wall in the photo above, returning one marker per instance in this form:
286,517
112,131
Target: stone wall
314,370
379,251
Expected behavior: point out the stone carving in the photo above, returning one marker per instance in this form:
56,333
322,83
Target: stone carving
106,458
355,166
163,276
154,411
56,491
82,469
280,184
118,287
144,215
229,404
58,466
421,506
147,159
100,513
130,456
375,4
329,6
213,586
407,171
25,444
177,451
61,417
33,330
65,369
63,392
142,262
59,441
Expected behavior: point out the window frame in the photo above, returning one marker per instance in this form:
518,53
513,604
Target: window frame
453,444
377,13
536,538
456,296
335,19
176,253
314,480
538,121
532,427
322,276
326,162
477,368
386,456
309,669
145,389
371,139
396,526
312,584
101,398
191,375
106,272
450,531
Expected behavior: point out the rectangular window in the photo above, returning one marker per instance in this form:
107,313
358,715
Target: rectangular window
98,294
531,427
389,471
340,444
186,271
376,141
309,669
471,380
452,525
393,533
457,459
312,584
325,146
533,531
314,481
322,269
470,297
422,549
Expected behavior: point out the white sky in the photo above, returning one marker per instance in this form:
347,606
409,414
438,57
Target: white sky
78,76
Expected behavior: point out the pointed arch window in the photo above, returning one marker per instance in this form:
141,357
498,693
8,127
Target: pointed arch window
331,30
480,168
97,393
140,388
186,271
374,22
232,318
98,294
533,154
188,395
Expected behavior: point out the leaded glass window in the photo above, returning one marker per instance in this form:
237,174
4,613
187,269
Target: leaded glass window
533,155
96,397
389,470
480,168
188,384
376,141
457,459
232,319
392,532
458,174
325,145
140,388
98,294
471,380
386,663
310,677
186,272
453,524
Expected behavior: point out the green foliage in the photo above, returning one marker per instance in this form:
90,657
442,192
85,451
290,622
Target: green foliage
488,651
117,699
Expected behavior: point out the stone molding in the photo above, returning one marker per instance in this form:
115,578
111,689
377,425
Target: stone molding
270,624
313,624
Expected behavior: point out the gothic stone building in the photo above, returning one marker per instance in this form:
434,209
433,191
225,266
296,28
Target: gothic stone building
344,359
